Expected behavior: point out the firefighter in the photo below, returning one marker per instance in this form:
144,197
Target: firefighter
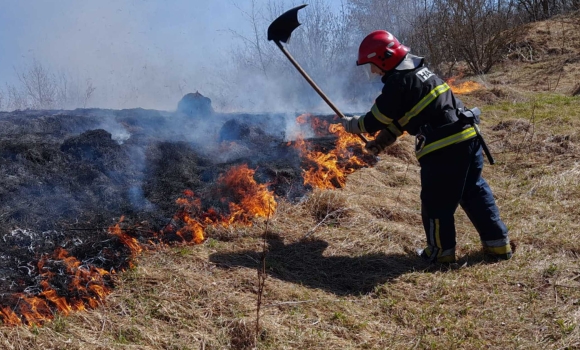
448,146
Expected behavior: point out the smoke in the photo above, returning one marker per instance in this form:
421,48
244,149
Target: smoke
137,54
150,54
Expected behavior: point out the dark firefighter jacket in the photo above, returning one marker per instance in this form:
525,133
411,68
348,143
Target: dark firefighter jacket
417,101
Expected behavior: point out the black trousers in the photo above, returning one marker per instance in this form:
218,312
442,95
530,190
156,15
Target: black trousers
451,177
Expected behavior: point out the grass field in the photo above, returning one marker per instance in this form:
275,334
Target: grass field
340,272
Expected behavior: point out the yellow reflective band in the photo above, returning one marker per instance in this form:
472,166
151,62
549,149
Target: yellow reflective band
361,124
446,259
380,116
450,140
394,130
437,238
430,97
498,250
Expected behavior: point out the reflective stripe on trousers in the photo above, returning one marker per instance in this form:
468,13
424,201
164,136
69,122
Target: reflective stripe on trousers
451,177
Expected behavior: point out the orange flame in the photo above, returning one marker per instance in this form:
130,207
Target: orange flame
9,317
38,310
329,170
131,242
86,285
250,198
302,119
51,295
463,88
247,200
192,227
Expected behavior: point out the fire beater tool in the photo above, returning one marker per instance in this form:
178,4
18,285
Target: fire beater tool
280,31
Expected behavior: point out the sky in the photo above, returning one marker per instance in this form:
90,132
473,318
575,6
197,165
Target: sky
136,53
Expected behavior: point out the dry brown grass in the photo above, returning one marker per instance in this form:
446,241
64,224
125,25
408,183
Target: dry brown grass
353,283
546,58
327,206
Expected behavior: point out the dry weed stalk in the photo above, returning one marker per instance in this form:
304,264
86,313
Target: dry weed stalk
262,275
327,207
329,216
533,125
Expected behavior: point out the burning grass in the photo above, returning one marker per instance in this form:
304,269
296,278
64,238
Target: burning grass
354,282
226,196
355,285
328,168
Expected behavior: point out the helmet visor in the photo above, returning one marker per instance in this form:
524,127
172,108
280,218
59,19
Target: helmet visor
372,71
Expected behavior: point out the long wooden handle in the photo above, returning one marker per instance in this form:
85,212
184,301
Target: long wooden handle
484,145
314,86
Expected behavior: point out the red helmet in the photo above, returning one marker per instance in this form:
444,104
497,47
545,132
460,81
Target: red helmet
381,48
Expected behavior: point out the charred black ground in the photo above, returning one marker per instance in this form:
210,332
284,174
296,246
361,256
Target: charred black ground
66,176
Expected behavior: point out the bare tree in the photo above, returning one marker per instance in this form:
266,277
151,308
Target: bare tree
71,92
428,36
16,98
253,44
476,31
394,16
448,31
39,84
537,10
39,88
325,45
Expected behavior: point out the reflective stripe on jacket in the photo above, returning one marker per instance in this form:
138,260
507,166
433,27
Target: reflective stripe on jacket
429,147
413,97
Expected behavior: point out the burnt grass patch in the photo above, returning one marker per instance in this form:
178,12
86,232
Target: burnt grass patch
67,176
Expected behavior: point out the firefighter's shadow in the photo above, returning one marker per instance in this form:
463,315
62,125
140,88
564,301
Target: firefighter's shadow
304,263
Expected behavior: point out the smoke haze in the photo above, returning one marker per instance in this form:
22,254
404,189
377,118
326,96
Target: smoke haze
150,53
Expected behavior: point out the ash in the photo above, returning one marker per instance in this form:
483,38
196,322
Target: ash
66,176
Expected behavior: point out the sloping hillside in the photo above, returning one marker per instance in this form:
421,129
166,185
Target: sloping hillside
546,57
340,273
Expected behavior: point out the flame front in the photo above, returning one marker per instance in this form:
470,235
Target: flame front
463,88
85,287
250,198
319,126
246,200
131,242
329,170
190,207
66,284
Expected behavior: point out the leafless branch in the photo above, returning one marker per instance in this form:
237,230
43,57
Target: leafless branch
329,216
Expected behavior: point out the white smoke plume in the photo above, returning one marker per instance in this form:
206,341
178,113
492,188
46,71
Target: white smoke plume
149,54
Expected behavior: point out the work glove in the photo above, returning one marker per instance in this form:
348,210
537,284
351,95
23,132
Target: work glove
353,124
384,139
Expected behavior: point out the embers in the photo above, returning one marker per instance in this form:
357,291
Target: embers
72,267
